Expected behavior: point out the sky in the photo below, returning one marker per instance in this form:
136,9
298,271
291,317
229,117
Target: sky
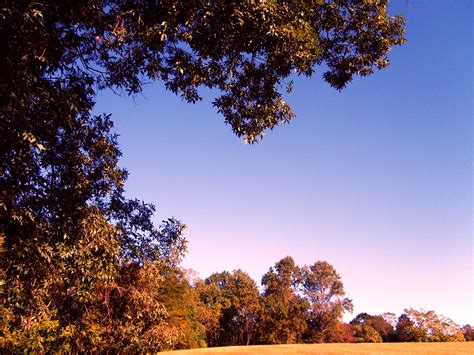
376,179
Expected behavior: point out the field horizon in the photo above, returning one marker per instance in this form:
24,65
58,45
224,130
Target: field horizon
340,348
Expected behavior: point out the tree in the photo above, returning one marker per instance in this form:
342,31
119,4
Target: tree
283,318
407,331
468,332
213,301
235,297
378,323
342,333
67,227
132,317
245,49
391,318
366,334
436,327
323,288
183,309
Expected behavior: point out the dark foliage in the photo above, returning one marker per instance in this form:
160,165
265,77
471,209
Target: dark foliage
70,237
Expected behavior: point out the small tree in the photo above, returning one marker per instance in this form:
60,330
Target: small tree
378,323
468,332
366,334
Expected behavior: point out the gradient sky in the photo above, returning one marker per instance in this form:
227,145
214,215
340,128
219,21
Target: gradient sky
376,179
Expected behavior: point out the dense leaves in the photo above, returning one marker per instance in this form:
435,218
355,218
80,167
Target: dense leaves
66,223
283,318
304,305
366,334
234,300
185,313
82,266
378,323
248,50
407,331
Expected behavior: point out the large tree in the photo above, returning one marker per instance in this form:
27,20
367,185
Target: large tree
283,317
324,289
66,225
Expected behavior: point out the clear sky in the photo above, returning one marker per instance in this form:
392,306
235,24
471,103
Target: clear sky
376,179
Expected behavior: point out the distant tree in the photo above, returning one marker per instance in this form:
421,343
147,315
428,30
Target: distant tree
378,323
213,301
342,333
235,297
283,317
407,331
458,336
468,332
366,334
391,318
323,288
436,327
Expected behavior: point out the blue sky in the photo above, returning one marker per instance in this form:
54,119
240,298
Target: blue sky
376,179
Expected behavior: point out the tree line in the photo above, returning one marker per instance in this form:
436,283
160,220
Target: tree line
156,306
293,305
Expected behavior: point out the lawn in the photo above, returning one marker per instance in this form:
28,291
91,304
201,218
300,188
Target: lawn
386,348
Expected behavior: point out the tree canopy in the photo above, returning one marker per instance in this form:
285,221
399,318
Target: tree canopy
383,328
284,313
324,289
234,298
55,51
72,243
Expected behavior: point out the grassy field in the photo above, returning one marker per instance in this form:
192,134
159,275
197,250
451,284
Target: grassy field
387,348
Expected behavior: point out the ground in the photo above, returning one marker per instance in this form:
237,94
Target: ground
386,348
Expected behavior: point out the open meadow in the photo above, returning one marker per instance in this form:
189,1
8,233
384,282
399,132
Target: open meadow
383,348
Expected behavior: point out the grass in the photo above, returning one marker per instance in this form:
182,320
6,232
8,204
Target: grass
385,348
